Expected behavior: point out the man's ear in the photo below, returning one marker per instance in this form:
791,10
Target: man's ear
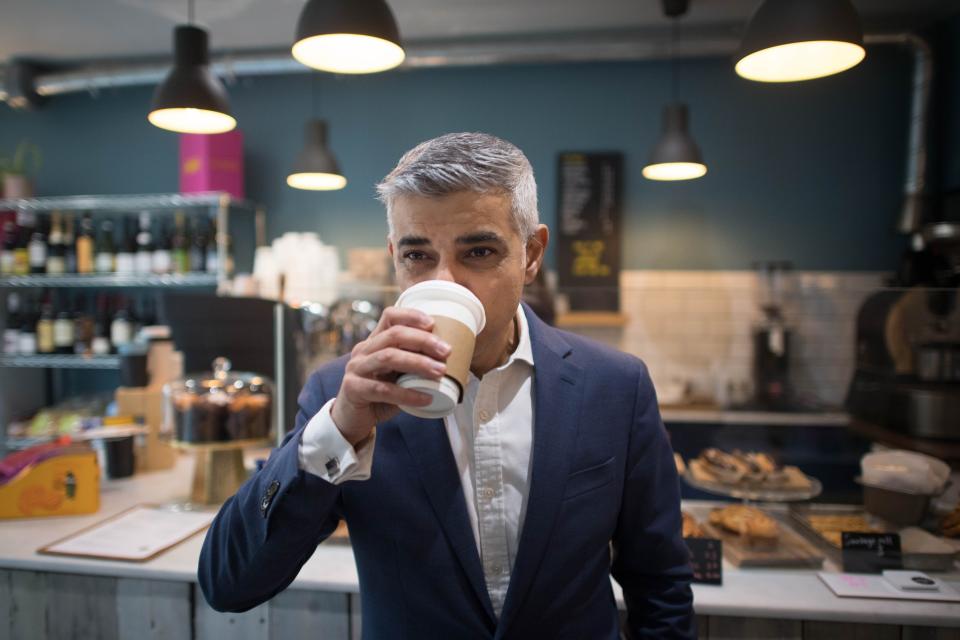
536,249
390,246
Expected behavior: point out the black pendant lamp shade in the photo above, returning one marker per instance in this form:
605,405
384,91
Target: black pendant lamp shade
191,99
790,40
348,36
676,155
315,168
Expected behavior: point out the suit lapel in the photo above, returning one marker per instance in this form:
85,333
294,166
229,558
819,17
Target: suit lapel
429,445
557,397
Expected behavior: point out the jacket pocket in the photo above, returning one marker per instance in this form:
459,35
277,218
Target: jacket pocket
588,479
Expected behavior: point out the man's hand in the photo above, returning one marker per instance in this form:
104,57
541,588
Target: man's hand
401,343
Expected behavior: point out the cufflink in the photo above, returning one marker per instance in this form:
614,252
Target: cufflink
333,466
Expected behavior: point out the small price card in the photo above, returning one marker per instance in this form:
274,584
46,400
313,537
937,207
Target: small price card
870,552
706,558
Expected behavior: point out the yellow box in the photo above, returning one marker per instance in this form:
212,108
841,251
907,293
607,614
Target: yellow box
60,486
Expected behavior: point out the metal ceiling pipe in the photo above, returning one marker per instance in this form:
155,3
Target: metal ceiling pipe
629,45
917,203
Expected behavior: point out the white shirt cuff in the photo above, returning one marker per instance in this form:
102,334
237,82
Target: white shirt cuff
324,452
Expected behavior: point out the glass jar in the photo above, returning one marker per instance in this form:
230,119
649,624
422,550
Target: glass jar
222,406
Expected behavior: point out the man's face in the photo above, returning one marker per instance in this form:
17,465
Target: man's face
467,238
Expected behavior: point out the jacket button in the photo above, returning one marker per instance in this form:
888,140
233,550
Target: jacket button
272,489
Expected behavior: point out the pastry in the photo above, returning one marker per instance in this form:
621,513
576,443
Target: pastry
750,469
748,522
950,525
690,527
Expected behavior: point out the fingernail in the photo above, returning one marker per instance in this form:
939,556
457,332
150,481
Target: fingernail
443,347
438,368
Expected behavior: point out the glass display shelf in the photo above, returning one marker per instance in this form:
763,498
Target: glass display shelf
110,280
756,493
58,361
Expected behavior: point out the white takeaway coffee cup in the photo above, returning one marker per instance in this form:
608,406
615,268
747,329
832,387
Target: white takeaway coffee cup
458,317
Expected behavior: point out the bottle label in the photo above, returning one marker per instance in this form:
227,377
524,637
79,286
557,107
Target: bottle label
100,346
7,263
45,336
144,262
21,262
38,254
126,263
85,255
27,344
105,263
56,265
120,333
161,262
63,333
11,340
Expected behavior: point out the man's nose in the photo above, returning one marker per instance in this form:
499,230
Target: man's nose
445,272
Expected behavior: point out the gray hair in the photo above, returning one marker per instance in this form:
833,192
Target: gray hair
456,162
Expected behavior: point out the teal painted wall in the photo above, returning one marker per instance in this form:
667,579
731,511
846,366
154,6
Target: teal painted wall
810,172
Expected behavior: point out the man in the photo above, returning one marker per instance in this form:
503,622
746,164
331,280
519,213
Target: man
498,521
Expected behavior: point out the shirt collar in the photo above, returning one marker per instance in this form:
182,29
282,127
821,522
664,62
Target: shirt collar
523,351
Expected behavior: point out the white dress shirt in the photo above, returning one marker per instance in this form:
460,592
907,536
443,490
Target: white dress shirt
490,435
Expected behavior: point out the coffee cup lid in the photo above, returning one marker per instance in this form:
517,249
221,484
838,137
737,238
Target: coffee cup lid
430,290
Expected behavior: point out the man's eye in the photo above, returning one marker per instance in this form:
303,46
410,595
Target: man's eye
480,252
414,255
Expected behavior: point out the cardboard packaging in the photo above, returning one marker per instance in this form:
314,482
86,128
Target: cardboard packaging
212,163
62,485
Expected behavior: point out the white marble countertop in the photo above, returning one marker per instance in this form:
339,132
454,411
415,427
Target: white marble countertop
762,593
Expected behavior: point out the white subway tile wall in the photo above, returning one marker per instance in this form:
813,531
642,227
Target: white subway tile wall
693,328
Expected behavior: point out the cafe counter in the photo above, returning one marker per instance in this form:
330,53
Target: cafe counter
55,597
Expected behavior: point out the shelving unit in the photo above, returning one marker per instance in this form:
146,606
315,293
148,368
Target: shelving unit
220,207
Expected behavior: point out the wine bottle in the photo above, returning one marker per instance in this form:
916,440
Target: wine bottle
121,327
86,246
21,254
7,258
212,255
127,254
100,345
181,259
45,327
27,337
144,262
11,332
56,255
69,244
63,330
106,248
162,260
83,329
198,246
37,248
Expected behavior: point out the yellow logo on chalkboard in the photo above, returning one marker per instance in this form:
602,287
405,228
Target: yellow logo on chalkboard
587,262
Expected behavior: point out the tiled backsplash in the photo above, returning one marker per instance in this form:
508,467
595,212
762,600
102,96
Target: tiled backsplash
694,328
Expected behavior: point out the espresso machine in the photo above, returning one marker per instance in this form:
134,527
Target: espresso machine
907,376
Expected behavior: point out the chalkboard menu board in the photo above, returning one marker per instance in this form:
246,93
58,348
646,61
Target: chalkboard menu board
589,229
706,559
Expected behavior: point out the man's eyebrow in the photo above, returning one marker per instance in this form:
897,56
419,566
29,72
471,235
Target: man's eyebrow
413,241
478,237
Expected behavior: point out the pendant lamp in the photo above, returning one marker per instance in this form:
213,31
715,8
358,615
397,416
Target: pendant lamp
191,99
791,40
316,168
676,155
348,36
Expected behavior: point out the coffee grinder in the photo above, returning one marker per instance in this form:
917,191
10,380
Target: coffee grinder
907,376
771,338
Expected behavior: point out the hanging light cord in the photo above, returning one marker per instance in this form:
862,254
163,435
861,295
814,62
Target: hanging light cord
313,93
189,11
674,27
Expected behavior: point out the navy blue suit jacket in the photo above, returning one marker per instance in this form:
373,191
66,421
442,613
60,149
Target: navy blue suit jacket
602,472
